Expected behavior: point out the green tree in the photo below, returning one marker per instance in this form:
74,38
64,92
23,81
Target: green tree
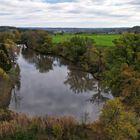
5,62
75,48
37,40
94,60
123,67
126,50
116,123
11,49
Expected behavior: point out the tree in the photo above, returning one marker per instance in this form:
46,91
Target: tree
37,40
94,60
5,62
11,49
3,75
126,50
130,87
123,66
116,123
75,48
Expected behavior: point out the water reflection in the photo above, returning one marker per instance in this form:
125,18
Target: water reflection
16,98
48,87
99,97
79,81
42,63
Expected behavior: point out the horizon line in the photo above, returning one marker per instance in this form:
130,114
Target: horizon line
67,27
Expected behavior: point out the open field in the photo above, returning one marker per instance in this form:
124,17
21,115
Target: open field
101,40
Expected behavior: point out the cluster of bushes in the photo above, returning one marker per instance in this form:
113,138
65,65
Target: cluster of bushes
8,48
18,126
116,123
5,62
38,40
122,75
74,48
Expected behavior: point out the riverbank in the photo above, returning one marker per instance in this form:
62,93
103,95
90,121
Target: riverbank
8,84
15,126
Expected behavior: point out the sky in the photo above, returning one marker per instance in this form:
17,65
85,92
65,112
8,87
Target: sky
70,13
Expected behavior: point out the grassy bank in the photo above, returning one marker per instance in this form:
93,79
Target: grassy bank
101,39
110,126
15,126
7,82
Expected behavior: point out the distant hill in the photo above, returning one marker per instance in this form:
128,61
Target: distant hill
91,30
135,29
7,28
83,30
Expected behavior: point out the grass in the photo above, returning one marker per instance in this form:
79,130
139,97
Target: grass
101,40
14,126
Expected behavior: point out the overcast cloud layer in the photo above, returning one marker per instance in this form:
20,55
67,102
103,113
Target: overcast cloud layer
70,13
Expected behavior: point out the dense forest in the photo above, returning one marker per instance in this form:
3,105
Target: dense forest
117,68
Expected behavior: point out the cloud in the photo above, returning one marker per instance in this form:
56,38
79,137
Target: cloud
57,1
70,13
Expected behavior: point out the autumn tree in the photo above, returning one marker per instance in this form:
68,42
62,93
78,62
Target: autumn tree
75,48
123,67
37,40
94,60
5,61
116,123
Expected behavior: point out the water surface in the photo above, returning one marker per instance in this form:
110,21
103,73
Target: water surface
50,85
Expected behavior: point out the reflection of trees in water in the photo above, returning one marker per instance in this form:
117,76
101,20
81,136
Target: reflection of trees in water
16,97
8,86
79,81
28,55
42,63
98,97
16,87
63,62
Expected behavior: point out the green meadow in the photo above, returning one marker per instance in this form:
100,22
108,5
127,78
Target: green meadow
100,39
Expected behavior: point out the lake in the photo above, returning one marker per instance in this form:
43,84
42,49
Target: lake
50,85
